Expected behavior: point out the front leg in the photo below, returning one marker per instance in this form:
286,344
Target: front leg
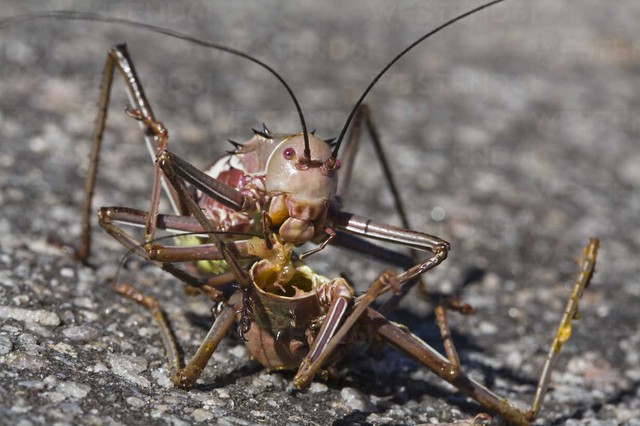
364,227
387,280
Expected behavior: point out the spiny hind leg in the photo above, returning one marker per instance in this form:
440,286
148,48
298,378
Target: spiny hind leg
117,59
448,367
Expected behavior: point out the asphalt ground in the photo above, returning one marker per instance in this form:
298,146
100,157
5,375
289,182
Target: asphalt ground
512,134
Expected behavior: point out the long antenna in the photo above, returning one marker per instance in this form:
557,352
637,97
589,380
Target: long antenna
95,17
334,153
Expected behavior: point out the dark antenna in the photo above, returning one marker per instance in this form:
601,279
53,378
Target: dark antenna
95,17
334,153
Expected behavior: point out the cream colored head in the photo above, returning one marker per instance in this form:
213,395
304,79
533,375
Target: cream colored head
301,190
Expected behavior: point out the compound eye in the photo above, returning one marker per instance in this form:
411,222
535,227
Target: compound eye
289,153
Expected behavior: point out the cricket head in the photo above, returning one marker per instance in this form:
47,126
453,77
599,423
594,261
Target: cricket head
302,188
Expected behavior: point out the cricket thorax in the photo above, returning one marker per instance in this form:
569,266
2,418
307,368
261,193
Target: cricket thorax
232,170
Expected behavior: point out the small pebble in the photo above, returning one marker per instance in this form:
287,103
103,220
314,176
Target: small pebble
84,302
222,393
162,378
5,344
486,327
99,368
357,400
129,367
39,316
22,361
73,390
135,402
201,415
67,273
232,421
80,333
318,387
71,408
65,349
240,351
54,397
32,384
159,410
89,316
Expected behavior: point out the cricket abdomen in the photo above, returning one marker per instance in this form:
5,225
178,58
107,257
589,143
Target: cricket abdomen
283,317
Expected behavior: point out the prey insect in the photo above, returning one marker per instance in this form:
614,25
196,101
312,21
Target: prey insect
284,189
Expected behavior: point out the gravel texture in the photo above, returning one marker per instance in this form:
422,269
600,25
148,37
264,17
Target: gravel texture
513,135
